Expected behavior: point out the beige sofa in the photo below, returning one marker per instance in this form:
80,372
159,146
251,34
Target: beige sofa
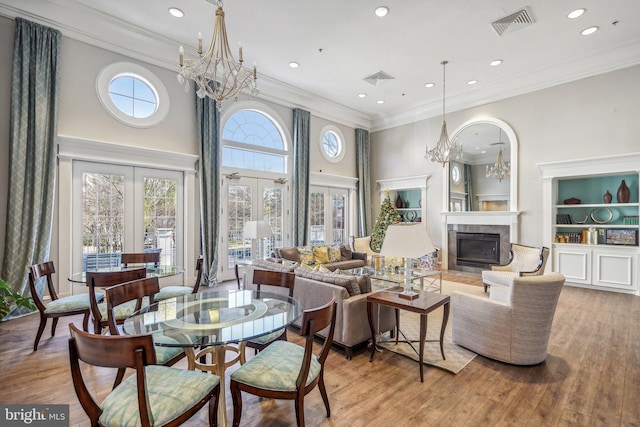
348,258
314,289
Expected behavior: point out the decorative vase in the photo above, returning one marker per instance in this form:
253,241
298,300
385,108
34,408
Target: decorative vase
607,197
399,203
623,192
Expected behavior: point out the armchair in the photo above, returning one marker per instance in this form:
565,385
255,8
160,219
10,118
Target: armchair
362,244
525,261
514,332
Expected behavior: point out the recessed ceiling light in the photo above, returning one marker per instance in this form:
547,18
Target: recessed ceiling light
472,82
382,11
483,151
589,31
294,64
576,13
362,95
174,11
381,102
429,84
495,62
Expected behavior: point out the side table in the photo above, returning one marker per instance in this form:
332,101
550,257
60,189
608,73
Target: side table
423,305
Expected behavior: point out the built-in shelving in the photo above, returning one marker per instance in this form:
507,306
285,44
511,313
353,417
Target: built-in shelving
612,263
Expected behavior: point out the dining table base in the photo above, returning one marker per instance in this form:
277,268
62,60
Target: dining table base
197,360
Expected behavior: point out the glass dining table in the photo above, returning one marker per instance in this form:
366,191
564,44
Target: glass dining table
206,322
152,271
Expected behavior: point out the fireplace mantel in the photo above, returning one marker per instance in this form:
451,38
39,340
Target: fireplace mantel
508,218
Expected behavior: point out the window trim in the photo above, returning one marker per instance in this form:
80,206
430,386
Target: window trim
342,149
122,69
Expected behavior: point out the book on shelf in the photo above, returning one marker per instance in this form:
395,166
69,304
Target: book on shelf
563,219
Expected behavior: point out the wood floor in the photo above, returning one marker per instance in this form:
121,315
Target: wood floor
591,378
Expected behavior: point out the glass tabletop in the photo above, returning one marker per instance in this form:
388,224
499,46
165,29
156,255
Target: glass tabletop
159,272
214,317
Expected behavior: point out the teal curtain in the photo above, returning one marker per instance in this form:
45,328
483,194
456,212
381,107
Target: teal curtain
208,117
364,182
468,187
35,88
300,186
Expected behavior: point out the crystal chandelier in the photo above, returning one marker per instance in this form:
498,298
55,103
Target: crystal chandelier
444,151
216,73
500,170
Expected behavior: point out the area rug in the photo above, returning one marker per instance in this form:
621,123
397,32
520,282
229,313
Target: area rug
457,357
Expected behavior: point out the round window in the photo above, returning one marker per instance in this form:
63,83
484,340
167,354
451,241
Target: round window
331,143
132,94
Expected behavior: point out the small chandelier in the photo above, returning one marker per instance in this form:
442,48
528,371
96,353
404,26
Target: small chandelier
444,151
216,73
500,170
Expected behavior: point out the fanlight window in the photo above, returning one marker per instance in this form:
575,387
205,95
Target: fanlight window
251,140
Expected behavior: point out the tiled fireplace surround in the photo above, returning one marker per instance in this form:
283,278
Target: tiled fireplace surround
503,223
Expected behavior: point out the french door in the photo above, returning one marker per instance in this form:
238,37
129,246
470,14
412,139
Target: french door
251,199
125,209
328,214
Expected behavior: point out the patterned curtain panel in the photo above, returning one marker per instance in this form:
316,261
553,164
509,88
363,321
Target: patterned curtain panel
209,171
364,182
34,118
468,185
300,175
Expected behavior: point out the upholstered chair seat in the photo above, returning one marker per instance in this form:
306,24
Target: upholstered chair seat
120,407
70,303
179,291
276,368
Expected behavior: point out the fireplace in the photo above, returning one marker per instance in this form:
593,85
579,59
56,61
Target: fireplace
479,245
477,249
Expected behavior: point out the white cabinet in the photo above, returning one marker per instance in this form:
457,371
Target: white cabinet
573,202
600,267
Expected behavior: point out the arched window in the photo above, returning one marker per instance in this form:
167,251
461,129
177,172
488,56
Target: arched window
252,140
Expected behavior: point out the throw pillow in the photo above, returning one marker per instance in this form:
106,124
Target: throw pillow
289,253
323,269
320,254
288,263
305,254
335,253
345,251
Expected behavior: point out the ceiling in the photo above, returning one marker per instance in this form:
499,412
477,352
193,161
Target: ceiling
338,43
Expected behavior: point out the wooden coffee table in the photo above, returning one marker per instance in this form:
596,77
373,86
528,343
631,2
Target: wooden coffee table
423,305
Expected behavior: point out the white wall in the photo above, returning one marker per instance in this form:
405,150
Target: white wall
586,118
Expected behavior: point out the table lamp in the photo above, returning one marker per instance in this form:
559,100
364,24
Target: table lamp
407,241
257,231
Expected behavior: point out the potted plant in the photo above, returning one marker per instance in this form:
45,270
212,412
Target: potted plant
8,298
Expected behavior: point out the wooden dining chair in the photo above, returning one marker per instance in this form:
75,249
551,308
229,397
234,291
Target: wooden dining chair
58,307
285,370
140,258
176,291
104,279
137,290
271,278
154,396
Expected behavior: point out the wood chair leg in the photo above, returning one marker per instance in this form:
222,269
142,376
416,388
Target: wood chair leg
213,408
237,403
85,321
323,393
43,324
54,323
300,411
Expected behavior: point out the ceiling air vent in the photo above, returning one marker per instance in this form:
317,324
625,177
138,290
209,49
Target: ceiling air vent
378,78
515,21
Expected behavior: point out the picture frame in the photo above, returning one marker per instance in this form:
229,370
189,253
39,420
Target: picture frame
622,237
